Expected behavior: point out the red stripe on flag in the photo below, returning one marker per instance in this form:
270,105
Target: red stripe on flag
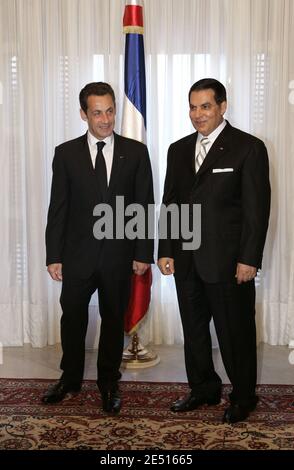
139,300
133,15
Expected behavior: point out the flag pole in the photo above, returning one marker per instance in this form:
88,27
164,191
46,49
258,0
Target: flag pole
134,127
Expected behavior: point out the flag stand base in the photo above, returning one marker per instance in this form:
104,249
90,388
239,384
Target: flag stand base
136,356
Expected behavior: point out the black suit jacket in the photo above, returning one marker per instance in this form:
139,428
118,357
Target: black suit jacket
235,203
74,194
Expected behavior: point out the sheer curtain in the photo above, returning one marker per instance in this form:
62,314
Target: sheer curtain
51,48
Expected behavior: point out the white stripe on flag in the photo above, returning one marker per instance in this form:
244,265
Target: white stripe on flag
134,2
132,122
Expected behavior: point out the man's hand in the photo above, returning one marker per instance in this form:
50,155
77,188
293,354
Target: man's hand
140,268
55,271
245,273
166,266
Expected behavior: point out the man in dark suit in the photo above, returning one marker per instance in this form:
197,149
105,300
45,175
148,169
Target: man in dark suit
226,171
90,170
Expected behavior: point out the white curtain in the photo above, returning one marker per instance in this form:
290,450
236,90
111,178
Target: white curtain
51,48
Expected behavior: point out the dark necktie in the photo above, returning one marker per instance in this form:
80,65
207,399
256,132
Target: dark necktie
100,168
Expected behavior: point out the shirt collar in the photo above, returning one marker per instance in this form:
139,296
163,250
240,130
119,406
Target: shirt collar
92,140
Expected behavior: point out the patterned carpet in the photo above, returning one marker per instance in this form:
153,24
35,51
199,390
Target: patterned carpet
145,421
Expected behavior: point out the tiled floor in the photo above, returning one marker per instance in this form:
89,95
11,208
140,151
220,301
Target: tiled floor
28,362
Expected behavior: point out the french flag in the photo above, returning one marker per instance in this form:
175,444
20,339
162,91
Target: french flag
134,127
134,107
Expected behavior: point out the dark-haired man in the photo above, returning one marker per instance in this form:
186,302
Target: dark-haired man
90,170
226,172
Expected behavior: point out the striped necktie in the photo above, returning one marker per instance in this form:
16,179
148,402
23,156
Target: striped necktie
202,153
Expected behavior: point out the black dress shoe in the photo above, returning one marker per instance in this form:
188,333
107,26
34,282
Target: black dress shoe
115,402
111,401
236,413
58,391
191,402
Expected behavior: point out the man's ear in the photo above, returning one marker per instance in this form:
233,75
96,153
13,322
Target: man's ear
83,115
223,107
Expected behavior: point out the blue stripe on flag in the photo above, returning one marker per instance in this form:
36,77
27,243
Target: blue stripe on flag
135,85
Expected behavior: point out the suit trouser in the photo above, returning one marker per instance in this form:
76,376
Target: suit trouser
113,300
232,307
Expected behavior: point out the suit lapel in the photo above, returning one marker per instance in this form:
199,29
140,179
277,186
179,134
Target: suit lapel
85,154
119,160
191,145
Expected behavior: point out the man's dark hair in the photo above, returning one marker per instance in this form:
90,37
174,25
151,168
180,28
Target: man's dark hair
220,93
97,89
